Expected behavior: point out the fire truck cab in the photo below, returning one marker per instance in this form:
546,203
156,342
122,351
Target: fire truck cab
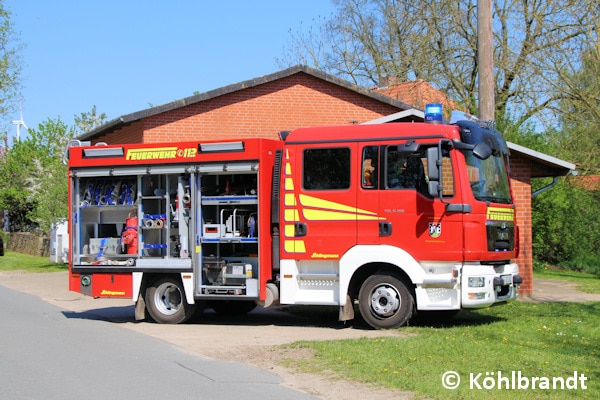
388,219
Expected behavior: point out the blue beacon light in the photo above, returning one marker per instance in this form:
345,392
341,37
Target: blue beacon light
433,113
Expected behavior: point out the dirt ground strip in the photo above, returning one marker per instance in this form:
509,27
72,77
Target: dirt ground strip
254,338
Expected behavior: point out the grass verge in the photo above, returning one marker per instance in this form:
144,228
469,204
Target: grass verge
12,261
485,347
537,339
588,283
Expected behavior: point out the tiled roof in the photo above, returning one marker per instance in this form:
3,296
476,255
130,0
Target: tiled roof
129,118
589,182
417,93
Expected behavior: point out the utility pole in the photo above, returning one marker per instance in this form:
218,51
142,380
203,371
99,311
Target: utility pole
485,48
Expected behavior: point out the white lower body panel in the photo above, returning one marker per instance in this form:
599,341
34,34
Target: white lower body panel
309,282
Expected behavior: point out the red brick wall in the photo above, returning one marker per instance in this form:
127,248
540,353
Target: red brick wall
521,185
129,134
264,110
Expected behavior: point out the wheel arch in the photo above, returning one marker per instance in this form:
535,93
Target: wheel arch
143,280
360,262
370,269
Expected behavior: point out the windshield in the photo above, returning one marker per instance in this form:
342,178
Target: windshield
488,178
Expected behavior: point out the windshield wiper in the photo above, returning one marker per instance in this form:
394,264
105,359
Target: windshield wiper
493,199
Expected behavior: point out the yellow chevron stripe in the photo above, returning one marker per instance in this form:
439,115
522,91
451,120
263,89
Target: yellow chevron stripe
294,246
290,200
288,184
315,202
325,215
291,215
288,230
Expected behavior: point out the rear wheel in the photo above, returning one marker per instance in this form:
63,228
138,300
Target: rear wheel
385,301
165,301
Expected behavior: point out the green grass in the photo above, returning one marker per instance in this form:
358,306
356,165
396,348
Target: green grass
538,339
588,283
12,261
533,339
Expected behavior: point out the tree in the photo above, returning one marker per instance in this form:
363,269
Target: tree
10,66
566,227
367,41
88,121
580,114
35,180
15,195
48,180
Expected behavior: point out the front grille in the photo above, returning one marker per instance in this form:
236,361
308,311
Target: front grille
500,236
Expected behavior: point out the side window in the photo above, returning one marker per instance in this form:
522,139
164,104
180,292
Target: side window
326,169
370,167
447,174
405,170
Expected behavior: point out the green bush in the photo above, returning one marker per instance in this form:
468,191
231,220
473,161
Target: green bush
589,263
566,227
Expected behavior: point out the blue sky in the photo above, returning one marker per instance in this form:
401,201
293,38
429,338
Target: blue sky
124,56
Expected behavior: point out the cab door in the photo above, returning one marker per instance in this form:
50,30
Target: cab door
371,225
420,224
319,212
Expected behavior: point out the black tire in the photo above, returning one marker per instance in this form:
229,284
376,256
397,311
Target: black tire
165,301
385,301
232,307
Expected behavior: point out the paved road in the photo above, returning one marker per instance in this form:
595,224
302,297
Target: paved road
249,338
47,354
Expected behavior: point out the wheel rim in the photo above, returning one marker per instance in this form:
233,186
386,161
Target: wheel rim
385,301
167,298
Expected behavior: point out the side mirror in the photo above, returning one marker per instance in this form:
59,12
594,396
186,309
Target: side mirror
434,165
482,151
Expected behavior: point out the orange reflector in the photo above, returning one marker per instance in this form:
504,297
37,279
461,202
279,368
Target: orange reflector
476,296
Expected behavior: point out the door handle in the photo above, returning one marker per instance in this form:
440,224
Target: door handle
299,229
385,228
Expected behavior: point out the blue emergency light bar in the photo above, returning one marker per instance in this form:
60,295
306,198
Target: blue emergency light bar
433,113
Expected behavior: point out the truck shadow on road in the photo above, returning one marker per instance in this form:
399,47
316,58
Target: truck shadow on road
288,316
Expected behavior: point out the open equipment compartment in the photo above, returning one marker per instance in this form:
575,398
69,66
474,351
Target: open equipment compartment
132,220
228,235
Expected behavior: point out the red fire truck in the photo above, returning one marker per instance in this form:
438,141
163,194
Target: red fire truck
394,219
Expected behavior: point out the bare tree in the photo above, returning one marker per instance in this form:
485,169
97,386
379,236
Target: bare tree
579,140
366,41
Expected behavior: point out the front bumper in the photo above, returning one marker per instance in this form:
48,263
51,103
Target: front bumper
485,285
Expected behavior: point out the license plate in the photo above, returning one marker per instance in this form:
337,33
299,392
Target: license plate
506,279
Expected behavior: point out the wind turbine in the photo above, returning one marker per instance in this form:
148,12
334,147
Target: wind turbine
19,123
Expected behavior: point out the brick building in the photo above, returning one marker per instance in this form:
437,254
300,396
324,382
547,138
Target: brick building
297,97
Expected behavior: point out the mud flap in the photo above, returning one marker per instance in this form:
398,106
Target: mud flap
140,308
347,310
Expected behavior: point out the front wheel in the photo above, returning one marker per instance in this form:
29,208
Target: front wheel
165,301
385,301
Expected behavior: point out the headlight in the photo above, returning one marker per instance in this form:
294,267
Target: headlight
477,282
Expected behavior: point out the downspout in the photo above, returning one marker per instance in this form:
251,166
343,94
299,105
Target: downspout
547,187
550,186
